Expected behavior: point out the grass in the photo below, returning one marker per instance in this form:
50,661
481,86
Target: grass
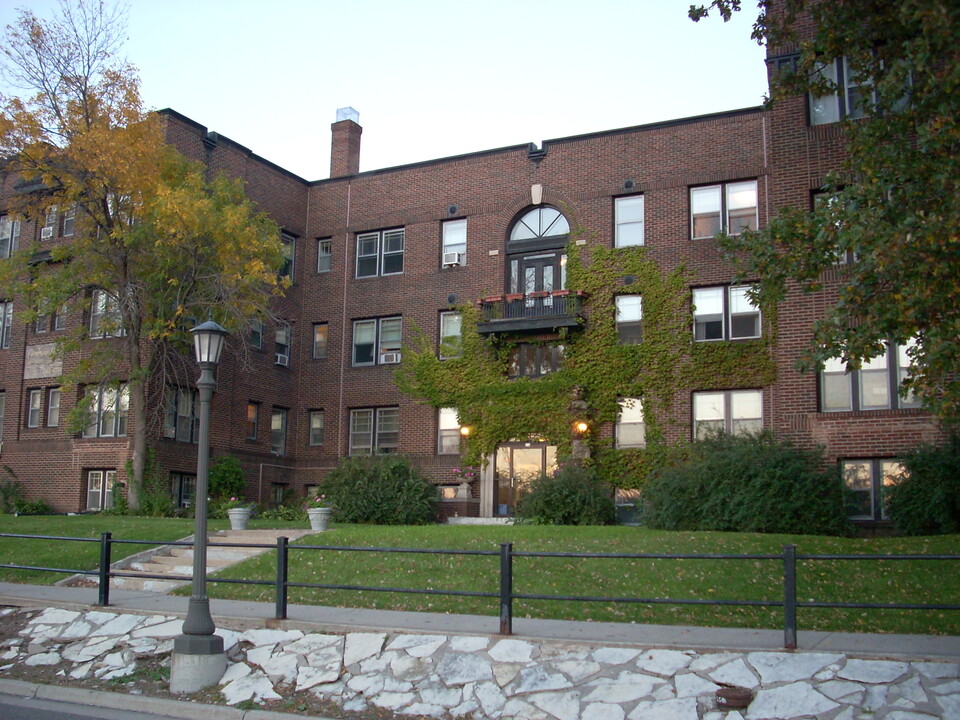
885,581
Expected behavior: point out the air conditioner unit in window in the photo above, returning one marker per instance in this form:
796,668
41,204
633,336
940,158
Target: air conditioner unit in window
451,259
389,358
282,359
46,233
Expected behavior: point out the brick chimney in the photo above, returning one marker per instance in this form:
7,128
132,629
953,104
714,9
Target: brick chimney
345,145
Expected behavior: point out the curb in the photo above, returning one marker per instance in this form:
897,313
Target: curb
180,709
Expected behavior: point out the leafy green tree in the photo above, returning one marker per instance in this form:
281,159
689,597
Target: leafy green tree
156,242
896,207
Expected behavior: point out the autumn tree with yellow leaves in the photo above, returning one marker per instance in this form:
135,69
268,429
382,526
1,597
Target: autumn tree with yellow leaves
157,243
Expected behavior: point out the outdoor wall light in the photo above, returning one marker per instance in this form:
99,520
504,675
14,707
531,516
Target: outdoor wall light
581,426
465,430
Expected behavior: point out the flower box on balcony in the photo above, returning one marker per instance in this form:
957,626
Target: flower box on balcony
538,294
493,299
561,293
514,297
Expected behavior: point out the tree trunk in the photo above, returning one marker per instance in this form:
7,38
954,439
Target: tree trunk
138,425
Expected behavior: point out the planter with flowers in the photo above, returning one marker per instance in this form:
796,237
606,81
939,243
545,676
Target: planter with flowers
464,476
239,513
319,511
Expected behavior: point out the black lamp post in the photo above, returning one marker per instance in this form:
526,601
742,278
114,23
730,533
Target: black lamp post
198,657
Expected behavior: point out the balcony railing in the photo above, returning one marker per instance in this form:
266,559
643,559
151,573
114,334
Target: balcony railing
531,311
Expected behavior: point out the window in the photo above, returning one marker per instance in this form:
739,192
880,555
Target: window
3,408
852,98
107,411
282,345
34,403
536,252
60,318
324,255
182,488
256,334
451,339
875,386
316,427
319,340
377,341
100,489
630,428
454,242
374,430
448,432
380,253
49,227
628,217
104,315
529,360
288,246
42,324
181,420
732,411
69,221
721,313
630,319
6,324
867,480
728,207
9,235
53,407
253,420
278,432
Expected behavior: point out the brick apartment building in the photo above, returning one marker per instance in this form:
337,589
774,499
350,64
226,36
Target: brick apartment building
376,255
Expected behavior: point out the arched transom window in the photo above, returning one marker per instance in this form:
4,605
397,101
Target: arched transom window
536,251
541,222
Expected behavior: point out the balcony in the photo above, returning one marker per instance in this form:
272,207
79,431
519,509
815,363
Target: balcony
531,312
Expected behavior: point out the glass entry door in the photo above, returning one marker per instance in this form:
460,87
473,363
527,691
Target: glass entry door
517,465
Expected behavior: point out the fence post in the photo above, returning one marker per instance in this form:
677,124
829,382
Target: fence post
506,588
104,584
790,596
281,611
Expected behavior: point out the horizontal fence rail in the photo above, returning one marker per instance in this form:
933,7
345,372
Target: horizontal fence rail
506,595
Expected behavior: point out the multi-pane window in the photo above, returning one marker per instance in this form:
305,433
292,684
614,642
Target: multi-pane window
42,324
852,98
104,315
316,427
282,345
377,341
60,318
448,431
183,487
53,407
324,255
100,489
107,411
724,313
320,335
867,481
451,337
727,207
374,430
9,235
875,386
380,253
288,246
34,405
278,431
253,420
630,319
49,227
6,324
256,334
628,218
454,243
181,421
69,221
733,411
532,360
630,428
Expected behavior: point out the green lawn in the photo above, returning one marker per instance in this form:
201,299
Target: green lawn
832,581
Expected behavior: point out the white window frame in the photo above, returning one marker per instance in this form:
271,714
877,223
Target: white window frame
278,431
104,313
315,428
100,489
842,103
448,431
726,407
256,334
321,346
629,421
374,430
34,407
6,324
107,411
54,397
48,230
381,246
324,255
893,366
451,335
630,319
870,477
181,419
288,247
283,341
380,327
455,239
628,221
724,202
9,235
69,221
725,304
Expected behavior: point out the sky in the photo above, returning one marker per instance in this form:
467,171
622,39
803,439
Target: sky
430,78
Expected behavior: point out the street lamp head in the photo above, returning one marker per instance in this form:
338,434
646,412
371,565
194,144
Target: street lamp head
208,340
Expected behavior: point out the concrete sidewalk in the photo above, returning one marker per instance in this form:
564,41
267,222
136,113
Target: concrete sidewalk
314,618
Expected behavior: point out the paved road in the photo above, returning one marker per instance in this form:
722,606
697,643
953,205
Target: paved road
28,708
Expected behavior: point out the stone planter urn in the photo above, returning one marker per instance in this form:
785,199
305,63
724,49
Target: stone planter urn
239,517
319,518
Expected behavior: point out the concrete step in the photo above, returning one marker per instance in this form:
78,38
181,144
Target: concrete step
220,559
146,584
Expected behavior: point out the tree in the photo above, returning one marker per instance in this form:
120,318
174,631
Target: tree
894,211
156,244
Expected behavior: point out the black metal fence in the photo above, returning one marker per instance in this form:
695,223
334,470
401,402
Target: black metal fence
506,595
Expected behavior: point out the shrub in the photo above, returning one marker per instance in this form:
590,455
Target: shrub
925,500
747,484
226,478
285,512
11,491
380,490
155,498
572,496
32,507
